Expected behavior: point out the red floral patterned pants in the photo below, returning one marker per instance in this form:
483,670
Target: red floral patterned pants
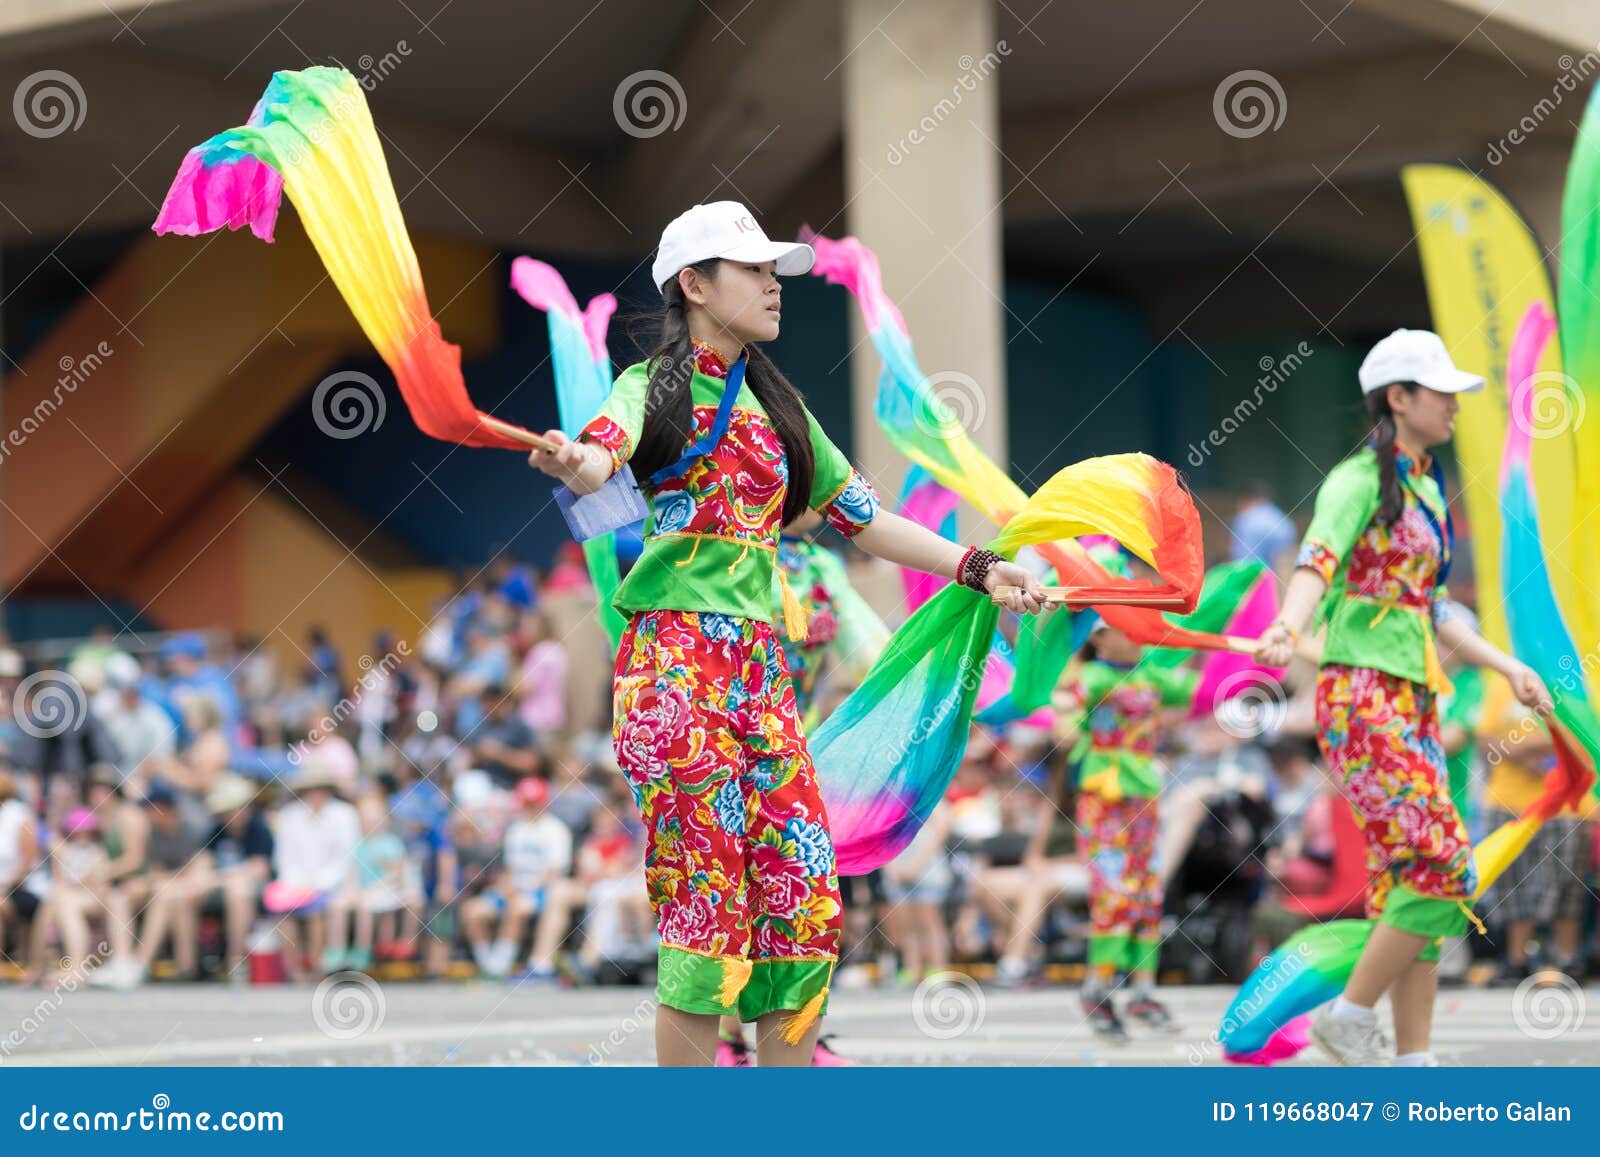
1124,885
1380,735
740,863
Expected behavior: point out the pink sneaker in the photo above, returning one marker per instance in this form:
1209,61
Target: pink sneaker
732,1054
823,1057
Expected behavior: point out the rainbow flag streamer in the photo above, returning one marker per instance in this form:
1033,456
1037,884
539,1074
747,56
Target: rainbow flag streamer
1539,634
1225,674
921,426
886,754
583,382
928,504
311,136
1573,532
1483,267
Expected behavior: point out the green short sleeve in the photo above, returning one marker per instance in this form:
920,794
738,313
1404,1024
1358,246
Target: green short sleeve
1345,505
621,419
837,490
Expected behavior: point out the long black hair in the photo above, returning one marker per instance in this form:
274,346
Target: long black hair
669,408
1391,498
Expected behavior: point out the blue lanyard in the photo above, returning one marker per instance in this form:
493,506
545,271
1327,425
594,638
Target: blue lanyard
1446,533
719,427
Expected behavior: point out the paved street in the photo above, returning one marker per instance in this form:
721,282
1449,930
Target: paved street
490,1024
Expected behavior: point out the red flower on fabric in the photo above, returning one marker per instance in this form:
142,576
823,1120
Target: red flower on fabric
782,879
647,733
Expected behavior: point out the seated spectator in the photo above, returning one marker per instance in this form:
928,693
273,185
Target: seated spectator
314,859
381,882
542,679
72,906
240,848
919,881
142,734
174,859
503,745
536,853
421,814
1051,870
609,881
23,879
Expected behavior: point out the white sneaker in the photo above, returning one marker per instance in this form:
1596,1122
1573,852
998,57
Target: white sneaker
1358,1043
119,973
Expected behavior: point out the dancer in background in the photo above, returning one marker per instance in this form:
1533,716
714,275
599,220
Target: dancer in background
1379,548
740,862
1119,822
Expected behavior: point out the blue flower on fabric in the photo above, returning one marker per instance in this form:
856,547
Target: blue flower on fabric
730,807
737,695
674,511
1109,862
765,774
857,501
719,628
815,844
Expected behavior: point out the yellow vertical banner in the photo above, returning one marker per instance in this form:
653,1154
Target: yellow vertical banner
1483,268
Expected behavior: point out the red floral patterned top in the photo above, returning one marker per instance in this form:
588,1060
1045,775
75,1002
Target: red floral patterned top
712,536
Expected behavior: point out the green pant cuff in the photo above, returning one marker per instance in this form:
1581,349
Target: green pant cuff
783,985
1423,915
1143,955
1430,954
1113,949
690,982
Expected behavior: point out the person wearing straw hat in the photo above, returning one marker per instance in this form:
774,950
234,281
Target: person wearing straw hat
1374,563
740,862
313,858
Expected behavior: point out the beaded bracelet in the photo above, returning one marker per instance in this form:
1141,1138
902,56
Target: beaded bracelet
975,567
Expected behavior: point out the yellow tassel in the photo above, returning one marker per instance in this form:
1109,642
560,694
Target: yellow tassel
1380,616
800,1023
1437,679
795,623
1473,916
734,564
692,553
735,975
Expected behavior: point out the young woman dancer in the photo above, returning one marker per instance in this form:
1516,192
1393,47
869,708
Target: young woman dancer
1379,547
740,864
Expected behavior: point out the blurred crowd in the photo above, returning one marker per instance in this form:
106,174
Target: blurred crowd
190,807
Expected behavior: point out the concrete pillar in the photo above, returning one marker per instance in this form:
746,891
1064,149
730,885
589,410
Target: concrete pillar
922,186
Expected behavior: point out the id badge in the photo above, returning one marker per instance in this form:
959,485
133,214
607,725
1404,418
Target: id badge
617,504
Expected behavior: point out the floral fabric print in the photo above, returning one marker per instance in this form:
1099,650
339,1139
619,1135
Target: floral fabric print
1380,736
1124,878
712,535
740,863
1384,579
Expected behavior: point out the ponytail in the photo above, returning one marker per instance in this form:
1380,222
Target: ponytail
1391,498
669,406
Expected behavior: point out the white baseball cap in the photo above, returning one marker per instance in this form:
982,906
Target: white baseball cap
1415,355
723,229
